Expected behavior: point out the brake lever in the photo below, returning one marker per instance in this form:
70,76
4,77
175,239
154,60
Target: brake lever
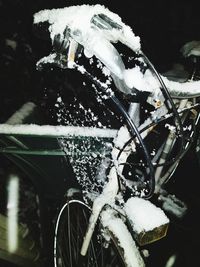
64,52
61,42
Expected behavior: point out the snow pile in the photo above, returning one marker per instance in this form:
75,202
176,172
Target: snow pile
122,137
81,23
143,215
148,83
78,23
78,19
62,131
121,233
186,89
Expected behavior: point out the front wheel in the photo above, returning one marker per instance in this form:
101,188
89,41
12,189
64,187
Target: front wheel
71,226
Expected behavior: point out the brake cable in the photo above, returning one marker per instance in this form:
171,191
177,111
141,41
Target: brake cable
132,127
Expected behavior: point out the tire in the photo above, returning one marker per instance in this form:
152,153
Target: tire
70,229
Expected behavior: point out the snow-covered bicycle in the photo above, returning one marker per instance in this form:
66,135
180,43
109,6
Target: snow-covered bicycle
110,215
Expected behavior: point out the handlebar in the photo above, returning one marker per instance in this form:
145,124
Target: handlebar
96,30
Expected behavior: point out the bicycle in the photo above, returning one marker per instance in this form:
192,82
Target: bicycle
108,213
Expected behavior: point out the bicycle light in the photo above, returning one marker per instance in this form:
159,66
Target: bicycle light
147,221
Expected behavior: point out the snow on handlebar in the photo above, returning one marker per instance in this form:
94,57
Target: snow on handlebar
97,29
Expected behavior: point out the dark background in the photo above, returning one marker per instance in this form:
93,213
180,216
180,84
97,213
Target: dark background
163,26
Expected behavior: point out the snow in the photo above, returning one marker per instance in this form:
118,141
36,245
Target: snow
122,137
78,19
98,41
143,215
186,89
171,128
120,231
82,28
48,59
57,131
148,83
106,197
134,78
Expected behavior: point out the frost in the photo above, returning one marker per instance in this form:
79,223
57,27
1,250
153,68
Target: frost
48,59
81,69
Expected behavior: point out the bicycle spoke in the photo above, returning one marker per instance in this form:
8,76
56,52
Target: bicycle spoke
73,224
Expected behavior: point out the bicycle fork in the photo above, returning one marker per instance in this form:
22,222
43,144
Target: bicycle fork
112,187
107,197
109,192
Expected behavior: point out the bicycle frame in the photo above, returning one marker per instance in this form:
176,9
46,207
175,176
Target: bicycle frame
13,145
177,104
106,201
33,147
